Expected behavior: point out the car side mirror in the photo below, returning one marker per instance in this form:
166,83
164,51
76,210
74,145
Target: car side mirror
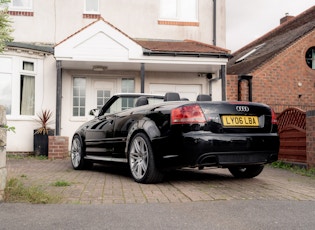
94,112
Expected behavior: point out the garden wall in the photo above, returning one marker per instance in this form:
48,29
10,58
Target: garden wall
58,147
3,143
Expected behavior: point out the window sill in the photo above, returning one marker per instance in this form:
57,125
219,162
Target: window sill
177,23
80,119
21,13
92,16
21,118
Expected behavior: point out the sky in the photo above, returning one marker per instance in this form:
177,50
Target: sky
247,20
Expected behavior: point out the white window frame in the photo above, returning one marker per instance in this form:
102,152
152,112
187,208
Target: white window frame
15,72
86,11
28,6
31,73
8,93
85,98
6,72
180,11
310,60
28,72
127,89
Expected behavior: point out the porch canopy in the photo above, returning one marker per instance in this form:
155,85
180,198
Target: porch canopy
103,46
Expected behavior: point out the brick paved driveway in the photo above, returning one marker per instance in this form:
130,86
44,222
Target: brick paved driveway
113,184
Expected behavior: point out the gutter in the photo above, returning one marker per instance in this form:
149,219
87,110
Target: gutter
42,48
185,54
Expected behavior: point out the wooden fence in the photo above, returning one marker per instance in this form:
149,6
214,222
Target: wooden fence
292,132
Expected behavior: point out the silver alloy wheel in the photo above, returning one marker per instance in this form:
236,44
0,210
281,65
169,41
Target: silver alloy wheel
138,157
76,153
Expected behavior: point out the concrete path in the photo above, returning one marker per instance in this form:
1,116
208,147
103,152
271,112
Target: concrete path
205,215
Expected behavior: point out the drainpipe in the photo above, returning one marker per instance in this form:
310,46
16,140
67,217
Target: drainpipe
58,98
142,77
223,81
210,88
214,22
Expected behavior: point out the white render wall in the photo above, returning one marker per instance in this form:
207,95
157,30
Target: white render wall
45,86
55,20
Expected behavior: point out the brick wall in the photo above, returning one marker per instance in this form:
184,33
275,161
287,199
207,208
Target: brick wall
310,138
58,147
231,87
284,80
244,91
21,13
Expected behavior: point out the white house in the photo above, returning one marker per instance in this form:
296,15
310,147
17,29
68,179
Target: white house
71,56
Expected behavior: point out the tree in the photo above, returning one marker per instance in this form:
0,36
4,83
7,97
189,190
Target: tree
5,25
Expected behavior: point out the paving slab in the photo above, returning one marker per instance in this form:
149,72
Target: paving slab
113,184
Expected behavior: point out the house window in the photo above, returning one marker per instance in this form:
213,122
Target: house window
6,92
18,79
78,100
21,5
28,66
242,58
179,10
91,6
27,89
310,57
127,86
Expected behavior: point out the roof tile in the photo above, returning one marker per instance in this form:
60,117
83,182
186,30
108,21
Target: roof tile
274,42
165,45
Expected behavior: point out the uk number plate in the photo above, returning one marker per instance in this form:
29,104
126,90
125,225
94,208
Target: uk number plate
240,121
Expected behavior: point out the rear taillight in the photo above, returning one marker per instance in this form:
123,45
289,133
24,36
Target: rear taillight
274,120
187,114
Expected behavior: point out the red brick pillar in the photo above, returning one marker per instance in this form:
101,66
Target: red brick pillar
58,147
310,139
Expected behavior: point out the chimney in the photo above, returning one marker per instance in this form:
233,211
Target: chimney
286,18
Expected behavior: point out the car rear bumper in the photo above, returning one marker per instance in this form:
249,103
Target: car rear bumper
226,159
223,150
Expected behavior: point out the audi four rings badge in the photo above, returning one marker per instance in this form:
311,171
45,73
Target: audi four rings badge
242,108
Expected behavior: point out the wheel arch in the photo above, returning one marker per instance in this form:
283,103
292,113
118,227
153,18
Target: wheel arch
82,138
146,126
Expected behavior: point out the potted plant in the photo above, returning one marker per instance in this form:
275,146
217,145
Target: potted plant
41,134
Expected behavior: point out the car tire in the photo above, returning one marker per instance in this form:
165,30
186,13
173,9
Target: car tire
141,160
77,154
246,171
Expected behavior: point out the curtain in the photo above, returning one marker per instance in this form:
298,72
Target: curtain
27,95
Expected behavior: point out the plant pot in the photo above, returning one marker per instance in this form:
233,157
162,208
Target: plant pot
41,143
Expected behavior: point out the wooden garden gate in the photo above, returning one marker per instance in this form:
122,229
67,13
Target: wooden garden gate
292,132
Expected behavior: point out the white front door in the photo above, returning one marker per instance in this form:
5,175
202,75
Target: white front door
102,92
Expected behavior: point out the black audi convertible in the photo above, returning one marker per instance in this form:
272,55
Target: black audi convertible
156,133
